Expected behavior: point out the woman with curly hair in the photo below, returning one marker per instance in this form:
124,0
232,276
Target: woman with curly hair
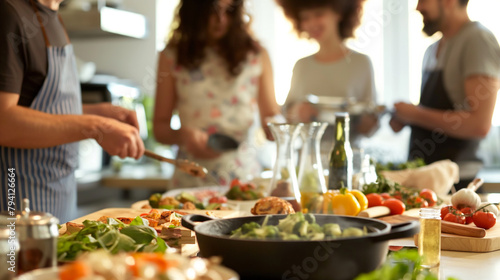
335,70
216,76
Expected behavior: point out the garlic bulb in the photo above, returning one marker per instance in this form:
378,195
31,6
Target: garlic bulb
490,208
466,198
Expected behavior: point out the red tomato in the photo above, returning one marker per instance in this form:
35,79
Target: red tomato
235,182
430,196
455,218
385,196
220,199
484,220
468,215
396,206
417,202
374,199
445,210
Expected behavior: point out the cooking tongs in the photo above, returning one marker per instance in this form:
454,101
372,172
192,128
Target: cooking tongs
187,166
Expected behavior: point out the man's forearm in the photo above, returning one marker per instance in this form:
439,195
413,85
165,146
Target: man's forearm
458,124
26,128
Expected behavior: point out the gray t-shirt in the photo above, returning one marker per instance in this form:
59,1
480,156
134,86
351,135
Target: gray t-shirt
473,51
350,77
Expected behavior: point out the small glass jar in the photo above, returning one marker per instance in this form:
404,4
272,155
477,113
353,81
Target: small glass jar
429,238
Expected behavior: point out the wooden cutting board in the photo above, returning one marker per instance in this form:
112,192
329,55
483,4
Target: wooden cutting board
453,242
187,243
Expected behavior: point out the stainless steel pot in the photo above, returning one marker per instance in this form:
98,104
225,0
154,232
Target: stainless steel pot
29,240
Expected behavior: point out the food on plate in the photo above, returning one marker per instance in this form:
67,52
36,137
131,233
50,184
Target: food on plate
412,198
296,226
186,201
419,162
272,205
466,198
138,266
113,236
344,202
244,191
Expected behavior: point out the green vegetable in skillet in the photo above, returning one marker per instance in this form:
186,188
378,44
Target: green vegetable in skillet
295,227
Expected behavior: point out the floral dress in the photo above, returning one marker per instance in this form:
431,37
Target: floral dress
212,100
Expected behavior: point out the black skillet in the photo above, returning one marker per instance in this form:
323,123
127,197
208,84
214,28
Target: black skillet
343,258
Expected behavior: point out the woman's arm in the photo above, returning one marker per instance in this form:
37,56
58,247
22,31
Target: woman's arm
194,140
268,106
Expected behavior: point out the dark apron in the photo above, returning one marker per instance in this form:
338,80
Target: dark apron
46,176
435,146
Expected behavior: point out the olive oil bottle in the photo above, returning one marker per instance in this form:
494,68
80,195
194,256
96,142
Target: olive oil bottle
340,166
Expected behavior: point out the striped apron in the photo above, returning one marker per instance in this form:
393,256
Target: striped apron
46,176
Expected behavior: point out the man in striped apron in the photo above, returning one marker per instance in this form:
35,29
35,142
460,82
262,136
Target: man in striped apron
39,140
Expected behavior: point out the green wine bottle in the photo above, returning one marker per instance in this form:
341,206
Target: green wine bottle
340,167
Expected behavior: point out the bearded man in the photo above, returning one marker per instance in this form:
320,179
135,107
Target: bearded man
460,82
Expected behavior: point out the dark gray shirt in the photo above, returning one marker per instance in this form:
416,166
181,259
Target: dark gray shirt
23,54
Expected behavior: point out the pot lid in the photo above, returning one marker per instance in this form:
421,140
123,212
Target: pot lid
27,217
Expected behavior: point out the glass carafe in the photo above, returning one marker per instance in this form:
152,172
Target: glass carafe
284,182
311,178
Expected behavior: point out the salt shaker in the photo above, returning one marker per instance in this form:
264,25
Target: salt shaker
429,238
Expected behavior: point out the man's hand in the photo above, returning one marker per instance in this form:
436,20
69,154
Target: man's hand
195,142
117,138
405,113
396,125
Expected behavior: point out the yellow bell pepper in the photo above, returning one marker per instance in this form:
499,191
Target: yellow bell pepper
362,200
344,202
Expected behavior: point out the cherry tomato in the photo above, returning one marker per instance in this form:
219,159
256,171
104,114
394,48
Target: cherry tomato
385,196
416,202
484,220
430,196
374,199
220,199
445,210
235,182
467,211
455,218
396,206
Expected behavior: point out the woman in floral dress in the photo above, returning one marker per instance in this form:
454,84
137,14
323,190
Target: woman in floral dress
217,78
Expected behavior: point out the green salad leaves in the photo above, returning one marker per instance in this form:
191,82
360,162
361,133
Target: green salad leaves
114,237
403,264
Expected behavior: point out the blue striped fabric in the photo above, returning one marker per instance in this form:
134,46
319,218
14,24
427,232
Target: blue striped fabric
46,176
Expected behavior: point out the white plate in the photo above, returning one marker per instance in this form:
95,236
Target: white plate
52,273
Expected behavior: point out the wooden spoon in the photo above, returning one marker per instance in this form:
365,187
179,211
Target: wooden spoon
187,166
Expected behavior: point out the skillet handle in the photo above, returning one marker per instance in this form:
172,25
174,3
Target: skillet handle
188,221
400,230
